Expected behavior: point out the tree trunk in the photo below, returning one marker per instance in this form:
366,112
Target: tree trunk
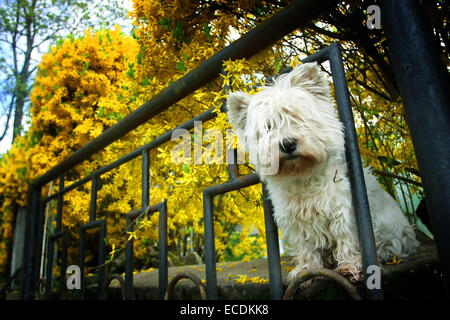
21,91
18,112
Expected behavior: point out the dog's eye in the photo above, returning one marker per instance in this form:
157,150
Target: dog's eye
269,127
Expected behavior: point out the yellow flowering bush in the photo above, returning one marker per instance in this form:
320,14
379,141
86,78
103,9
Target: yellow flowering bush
71,104
86,85
170,46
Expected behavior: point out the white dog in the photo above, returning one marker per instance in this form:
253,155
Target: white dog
294,125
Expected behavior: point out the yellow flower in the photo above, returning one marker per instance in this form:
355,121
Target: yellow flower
132,235
395,260
145,224
113,251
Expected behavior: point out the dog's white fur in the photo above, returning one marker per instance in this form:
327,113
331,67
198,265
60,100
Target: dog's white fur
310,191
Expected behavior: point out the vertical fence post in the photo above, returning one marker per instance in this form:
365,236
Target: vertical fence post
425,89
129,265
80,292
93,207
145,178
101,259
60,204
48,272
273,249
163,266
62,283
29,282
210,250
356,174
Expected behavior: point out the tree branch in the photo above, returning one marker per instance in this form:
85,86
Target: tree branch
11,104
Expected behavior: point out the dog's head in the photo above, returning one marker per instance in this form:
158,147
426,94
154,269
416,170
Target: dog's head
290,126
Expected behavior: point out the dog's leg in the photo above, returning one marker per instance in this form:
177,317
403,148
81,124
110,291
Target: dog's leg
306,257
348,258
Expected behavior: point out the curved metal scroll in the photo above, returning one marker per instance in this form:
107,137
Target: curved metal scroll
121,283
327,273
186,275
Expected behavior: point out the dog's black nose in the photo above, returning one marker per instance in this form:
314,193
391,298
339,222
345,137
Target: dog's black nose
288,145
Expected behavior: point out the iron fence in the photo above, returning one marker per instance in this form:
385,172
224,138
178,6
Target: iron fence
294,16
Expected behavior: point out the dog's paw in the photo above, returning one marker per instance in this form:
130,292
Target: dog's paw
294,273
352,271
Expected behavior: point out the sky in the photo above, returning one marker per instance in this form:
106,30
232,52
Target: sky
5,144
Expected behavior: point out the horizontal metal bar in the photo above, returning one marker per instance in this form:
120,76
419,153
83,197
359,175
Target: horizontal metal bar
322,55
266,33
57,235
319,56
150,209
188,125
238,183
135,213
92,225
50,198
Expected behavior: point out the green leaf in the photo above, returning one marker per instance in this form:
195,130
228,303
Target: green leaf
145,82
130,72
36,136
180,66
207,31
101,112
21,172
139,57
178,31
110,40
165,23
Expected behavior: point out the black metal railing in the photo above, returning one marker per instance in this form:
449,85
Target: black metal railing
331,53
298,14
263,35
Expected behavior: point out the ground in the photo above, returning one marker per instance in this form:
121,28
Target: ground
416,277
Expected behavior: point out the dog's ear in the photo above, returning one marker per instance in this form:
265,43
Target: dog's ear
310,77
237,103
